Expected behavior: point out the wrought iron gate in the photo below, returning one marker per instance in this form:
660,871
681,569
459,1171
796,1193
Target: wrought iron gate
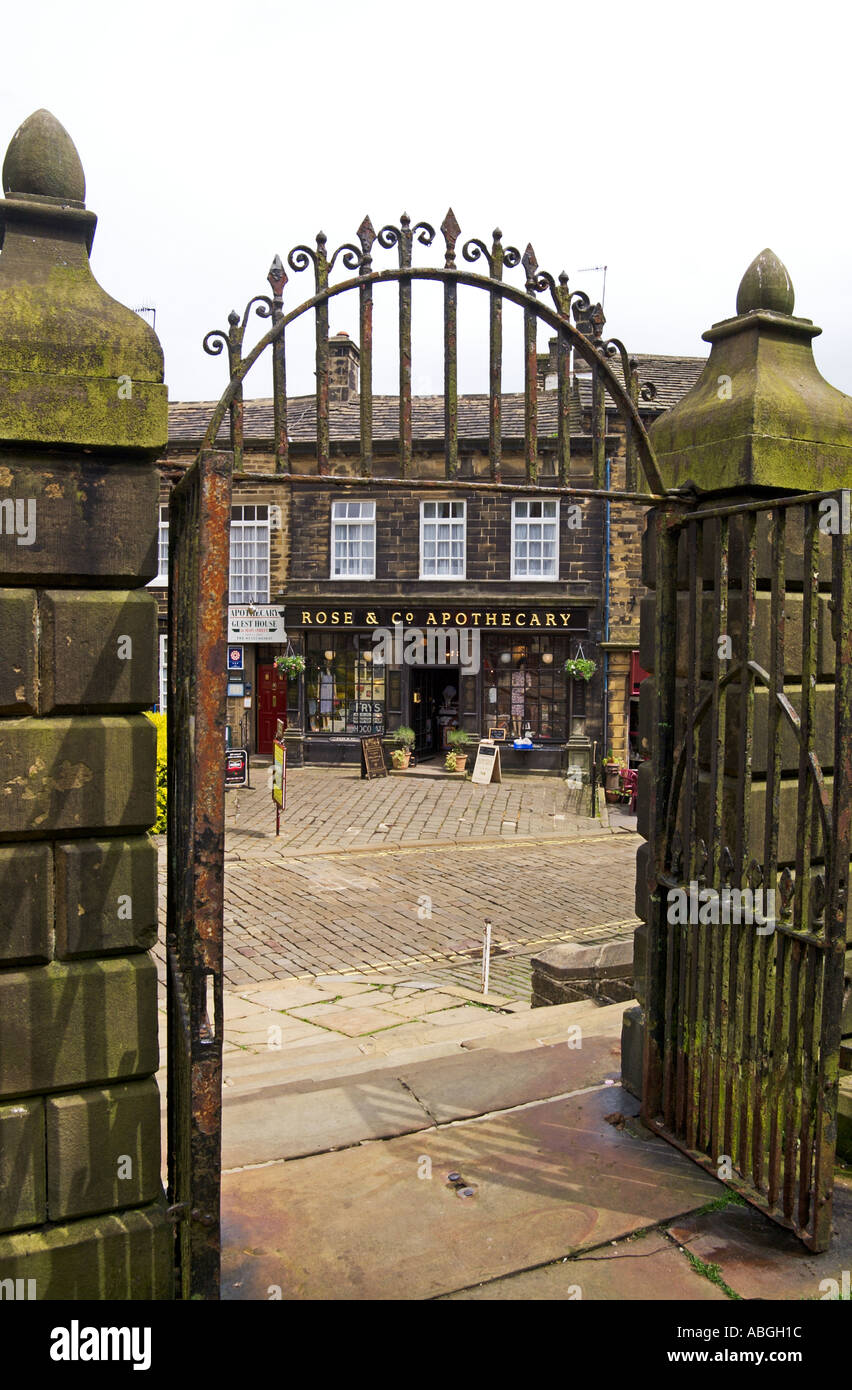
744,1018
199,523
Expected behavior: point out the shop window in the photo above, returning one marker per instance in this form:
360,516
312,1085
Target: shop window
249,577
344,686
535,539
527,691
442,540
353,540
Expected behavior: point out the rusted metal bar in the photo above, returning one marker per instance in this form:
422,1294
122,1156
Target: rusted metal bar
658,1031
673,500
366,237
450,229
405,444
323,442
530,372
746,1043
277,278
563,385
766,949
199,523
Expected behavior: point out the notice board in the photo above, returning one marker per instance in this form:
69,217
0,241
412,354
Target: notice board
487,765
236,767
279,774
373,757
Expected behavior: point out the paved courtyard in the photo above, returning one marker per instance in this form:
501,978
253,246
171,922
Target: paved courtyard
429,862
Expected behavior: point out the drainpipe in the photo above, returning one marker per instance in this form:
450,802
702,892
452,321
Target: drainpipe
606,618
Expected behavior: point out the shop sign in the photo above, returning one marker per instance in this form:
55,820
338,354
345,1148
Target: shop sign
362,716
236,767
554,620
487,766
235,658
260,622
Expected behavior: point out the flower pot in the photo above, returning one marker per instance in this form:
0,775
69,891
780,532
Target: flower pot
400,763
461,760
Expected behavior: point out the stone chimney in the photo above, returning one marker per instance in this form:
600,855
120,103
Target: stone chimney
344,358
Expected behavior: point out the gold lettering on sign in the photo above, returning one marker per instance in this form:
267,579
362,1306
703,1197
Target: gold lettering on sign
565,617
535,620
520,619
474,618
321,618
335,618
549,620
347,618
395,617
507,619
409,617
431,621
445,618
306,618
372,620
461,619
490,619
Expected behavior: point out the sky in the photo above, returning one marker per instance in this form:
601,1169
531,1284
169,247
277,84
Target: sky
669,142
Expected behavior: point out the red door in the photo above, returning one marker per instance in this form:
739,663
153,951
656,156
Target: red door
271,705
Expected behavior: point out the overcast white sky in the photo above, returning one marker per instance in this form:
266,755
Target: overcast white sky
670,142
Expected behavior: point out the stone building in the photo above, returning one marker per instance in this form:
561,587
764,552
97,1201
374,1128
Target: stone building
321,568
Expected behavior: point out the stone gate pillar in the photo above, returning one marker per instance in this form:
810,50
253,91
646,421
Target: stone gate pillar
759,422
82,419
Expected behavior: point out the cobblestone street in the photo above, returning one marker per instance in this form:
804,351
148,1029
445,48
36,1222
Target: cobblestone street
387,875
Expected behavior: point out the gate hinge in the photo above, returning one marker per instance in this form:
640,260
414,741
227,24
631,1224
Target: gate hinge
178,1212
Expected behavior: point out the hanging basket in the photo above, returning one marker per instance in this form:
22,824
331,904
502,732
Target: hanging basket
290,665
580,668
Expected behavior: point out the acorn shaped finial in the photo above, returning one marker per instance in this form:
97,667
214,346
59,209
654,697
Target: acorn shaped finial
42,161
766,285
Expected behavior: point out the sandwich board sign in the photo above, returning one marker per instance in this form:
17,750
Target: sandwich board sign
487,766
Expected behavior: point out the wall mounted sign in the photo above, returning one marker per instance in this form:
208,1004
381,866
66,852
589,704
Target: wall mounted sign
260,622
311,615
373,758
236,689
487,766
235,658
236,767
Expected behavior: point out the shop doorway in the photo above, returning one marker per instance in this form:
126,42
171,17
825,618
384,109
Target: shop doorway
271,706
433,707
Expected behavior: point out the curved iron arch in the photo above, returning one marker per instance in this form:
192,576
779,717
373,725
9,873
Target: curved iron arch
596,354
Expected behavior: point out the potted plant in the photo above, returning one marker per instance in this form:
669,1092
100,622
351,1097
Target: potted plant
290,665
459,739
450,762
612,778
580,668
404,739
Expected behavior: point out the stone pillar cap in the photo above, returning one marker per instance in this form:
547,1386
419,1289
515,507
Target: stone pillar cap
760,415
76,367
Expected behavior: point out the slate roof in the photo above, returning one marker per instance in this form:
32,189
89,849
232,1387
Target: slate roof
672,377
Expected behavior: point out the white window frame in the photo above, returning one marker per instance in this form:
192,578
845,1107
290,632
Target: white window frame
526,501
442,502
357,523
163,671
161,578
261,527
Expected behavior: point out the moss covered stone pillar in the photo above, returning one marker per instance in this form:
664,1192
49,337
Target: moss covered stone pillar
82,419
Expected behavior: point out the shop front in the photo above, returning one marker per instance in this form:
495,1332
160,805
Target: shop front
435,669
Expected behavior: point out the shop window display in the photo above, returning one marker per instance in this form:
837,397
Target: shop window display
344,686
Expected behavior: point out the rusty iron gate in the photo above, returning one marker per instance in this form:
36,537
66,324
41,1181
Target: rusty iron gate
744,1016
692,1094
199,523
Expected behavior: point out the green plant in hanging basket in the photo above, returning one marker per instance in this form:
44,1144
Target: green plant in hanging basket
580,668
290,666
